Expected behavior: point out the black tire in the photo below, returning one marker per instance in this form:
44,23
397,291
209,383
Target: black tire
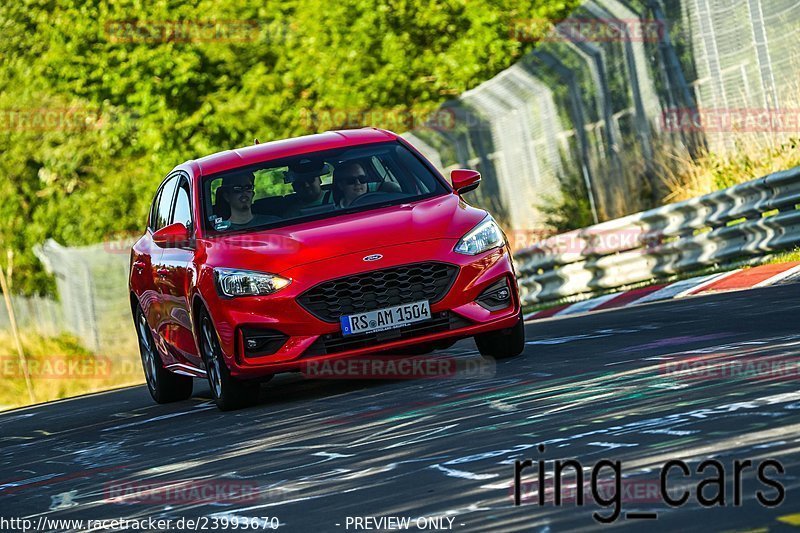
503,343
164,386
228,392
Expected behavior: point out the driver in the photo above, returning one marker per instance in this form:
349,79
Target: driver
238,191
349,182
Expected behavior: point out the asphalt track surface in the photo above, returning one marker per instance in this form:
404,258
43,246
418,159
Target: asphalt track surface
590,387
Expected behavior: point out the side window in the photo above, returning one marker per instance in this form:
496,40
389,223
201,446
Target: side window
165,203
151,223
270,182
383,170
183,206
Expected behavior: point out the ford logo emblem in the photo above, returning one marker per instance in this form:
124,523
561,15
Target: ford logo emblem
373,257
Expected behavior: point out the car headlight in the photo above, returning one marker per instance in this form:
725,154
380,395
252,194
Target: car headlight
484,236
232,282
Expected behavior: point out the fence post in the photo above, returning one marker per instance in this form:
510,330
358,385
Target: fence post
15,332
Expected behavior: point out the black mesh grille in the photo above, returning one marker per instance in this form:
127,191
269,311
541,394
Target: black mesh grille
378,289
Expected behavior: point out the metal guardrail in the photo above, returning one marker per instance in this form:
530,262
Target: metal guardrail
751,218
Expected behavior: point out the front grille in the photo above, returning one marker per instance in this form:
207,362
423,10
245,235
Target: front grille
336,342
378,289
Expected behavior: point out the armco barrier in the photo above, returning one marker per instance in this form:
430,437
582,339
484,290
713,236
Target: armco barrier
751,218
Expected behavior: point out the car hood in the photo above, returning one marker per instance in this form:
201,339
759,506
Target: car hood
276,250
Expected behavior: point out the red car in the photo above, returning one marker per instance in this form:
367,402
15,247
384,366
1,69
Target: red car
260,260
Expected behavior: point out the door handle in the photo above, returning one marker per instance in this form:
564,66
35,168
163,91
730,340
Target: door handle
139,266
163,272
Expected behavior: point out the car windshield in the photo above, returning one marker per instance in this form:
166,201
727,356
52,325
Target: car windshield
315,185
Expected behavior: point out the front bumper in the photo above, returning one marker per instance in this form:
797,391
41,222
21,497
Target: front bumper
309,339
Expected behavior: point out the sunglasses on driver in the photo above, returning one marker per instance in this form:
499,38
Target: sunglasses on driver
351,180
242,188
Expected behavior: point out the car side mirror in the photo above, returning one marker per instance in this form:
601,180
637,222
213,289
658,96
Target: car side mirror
172,236
465,180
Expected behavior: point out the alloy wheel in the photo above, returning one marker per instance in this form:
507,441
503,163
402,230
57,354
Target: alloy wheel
211,351
147,352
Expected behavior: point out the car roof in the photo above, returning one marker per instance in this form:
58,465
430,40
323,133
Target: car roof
257,153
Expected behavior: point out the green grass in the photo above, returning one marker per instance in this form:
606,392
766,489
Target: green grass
751,158
785,257
60,368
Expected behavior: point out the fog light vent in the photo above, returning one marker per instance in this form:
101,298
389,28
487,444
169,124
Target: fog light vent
496,297
258,342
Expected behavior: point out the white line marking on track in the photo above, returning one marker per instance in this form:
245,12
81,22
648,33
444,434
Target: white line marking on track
621,362
587,305
463,474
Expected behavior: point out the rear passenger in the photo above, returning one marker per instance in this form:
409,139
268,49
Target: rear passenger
308,197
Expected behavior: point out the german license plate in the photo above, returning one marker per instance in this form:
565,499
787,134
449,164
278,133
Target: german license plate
387,318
